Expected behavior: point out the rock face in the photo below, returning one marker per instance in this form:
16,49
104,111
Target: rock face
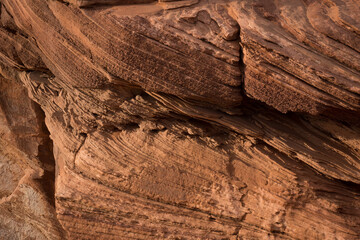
195,119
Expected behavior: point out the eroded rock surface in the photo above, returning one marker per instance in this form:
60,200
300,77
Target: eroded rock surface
193,119
26,168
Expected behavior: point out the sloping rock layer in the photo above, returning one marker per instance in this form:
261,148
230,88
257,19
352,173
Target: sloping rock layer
192,119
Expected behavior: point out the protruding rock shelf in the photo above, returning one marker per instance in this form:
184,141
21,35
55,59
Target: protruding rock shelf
195,119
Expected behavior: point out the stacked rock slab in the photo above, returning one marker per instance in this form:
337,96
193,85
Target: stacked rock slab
193,119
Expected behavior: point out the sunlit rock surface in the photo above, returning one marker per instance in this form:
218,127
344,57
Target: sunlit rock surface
193,119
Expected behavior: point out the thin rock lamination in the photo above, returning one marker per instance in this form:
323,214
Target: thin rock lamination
184,119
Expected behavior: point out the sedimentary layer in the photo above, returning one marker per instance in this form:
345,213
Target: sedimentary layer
191,119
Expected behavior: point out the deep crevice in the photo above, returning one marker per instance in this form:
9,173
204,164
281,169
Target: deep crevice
46,157
48,163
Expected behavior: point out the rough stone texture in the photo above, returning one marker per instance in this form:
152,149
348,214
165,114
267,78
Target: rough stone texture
191,119
302,56
26,168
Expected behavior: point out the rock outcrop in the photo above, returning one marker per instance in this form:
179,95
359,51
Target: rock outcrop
194,119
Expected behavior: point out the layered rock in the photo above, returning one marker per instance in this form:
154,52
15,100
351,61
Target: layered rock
157,128
27,169
302,56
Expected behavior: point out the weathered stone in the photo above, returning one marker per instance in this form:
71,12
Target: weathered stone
192,119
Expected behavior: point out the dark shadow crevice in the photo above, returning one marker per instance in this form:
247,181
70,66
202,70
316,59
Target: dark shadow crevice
46,157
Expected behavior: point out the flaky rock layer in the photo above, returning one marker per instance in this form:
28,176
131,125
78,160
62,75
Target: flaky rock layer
193,119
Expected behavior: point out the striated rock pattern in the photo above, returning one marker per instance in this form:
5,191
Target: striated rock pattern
194,119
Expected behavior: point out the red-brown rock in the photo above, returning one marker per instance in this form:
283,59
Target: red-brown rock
193,119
